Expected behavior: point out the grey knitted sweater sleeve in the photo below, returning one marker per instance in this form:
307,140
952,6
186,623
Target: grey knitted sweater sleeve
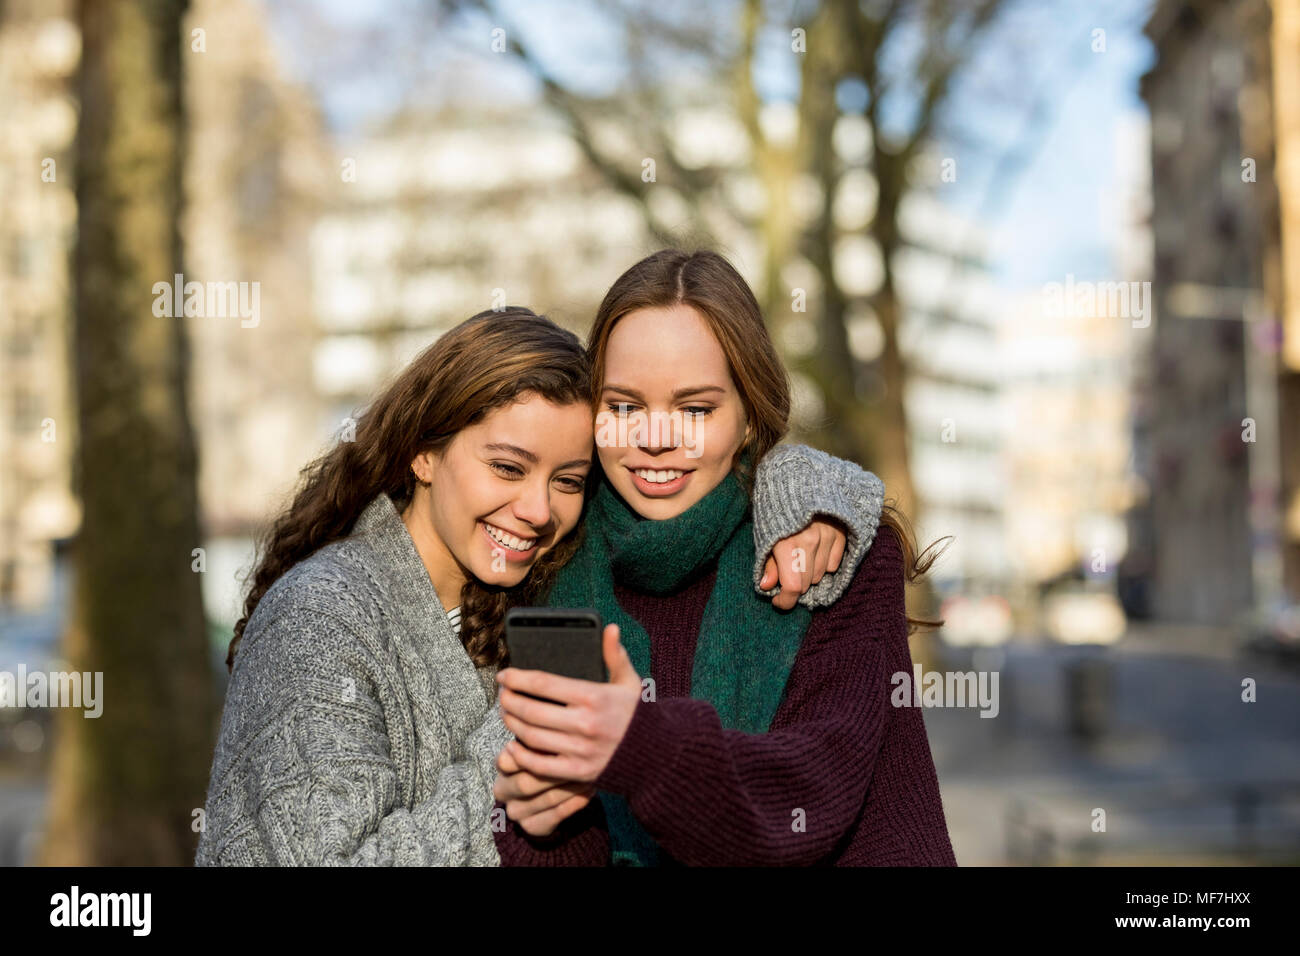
795,483
348,739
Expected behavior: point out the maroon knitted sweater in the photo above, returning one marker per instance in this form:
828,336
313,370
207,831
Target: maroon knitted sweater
859,769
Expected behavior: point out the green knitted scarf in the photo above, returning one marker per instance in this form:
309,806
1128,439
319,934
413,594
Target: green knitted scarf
746,646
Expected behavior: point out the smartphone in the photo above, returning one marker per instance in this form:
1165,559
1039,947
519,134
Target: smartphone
564,641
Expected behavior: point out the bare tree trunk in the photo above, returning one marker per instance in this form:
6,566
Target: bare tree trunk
776,166
891,445
846,430
126,784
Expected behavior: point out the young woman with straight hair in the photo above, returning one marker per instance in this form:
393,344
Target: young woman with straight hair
730,733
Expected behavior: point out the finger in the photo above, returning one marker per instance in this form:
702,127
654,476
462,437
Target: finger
769,577
837,550
571,806
539,738
617,659
815,556
783,558
512,786
508,786
786,600
520,808
780,560
506,762
537,712
545,765
563,690
518,747
523,785
792,581
545,823
820,558
548,799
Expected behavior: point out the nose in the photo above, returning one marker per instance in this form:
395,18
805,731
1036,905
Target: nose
533,504
656,432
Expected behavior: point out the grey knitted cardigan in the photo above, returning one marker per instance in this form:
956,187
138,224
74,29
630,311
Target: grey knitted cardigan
356,729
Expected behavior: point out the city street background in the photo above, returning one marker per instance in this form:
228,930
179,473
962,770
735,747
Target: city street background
1037,265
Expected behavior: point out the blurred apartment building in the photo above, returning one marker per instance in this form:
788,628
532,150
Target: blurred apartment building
258,174
1068,353
446,214
955,397
39,52
1220,532
1066,441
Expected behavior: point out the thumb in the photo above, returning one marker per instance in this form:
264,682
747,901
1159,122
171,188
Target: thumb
616,657
769,578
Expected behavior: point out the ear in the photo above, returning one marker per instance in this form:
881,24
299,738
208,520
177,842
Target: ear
745,443
422,466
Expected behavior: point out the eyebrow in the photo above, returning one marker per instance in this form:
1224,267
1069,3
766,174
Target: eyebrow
680,393
529,457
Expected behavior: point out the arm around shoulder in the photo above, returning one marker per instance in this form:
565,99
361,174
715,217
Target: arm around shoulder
795,483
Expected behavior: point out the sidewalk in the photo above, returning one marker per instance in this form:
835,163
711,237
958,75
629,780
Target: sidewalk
1180,765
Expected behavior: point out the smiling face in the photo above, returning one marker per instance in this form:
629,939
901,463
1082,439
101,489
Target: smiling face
503,493
670,419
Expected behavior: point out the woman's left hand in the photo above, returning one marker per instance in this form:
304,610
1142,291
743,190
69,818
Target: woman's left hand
822,545
575,741
537,805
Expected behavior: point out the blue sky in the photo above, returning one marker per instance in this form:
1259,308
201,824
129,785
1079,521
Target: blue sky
1053,220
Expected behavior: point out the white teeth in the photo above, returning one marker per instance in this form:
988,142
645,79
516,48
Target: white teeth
659,477
509,540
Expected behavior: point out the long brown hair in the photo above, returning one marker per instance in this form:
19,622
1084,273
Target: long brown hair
487,362
709,284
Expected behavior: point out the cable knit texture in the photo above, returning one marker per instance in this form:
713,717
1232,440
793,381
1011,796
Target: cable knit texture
841,778
794,484
356,730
